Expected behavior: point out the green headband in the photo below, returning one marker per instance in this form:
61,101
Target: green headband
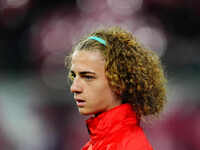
100,40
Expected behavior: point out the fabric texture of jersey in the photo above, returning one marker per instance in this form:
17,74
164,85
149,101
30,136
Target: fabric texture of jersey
116,129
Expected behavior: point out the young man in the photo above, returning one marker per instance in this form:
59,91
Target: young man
119,82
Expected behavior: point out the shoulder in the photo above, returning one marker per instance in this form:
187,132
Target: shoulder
134,138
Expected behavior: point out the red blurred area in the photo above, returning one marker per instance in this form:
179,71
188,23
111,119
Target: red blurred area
12,12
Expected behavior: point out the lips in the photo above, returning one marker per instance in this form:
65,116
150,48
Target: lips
80,102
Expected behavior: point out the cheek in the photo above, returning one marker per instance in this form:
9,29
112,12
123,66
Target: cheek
103,89
96,90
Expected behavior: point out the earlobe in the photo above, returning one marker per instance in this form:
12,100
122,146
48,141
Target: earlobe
118,92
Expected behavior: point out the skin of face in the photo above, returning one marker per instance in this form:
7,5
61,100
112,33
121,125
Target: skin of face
90,87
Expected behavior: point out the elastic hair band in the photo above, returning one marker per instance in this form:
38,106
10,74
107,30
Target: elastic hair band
100,40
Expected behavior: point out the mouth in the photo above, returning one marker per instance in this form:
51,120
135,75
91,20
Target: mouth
80,102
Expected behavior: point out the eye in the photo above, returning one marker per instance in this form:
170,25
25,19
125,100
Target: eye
71,75
88,77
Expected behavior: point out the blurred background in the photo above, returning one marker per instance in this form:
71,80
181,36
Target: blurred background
37,111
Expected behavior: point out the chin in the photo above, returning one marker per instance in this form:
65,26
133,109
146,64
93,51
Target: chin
86,113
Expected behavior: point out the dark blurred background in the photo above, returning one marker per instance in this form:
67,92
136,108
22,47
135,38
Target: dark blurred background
37,111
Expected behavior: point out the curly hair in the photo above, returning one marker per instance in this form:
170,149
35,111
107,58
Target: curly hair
134,73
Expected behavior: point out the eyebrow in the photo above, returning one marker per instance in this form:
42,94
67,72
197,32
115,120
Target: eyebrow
84,72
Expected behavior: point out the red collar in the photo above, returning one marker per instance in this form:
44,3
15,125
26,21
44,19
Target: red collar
111,121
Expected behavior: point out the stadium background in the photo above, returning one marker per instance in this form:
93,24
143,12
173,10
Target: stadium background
37,111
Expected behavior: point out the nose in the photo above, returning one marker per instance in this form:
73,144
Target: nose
76,86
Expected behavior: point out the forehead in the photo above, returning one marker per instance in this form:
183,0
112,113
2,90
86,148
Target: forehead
87,61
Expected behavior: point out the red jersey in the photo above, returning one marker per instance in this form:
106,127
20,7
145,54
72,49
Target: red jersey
116,129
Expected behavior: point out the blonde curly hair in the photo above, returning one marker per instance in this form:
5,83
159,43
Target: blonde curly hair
134,73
